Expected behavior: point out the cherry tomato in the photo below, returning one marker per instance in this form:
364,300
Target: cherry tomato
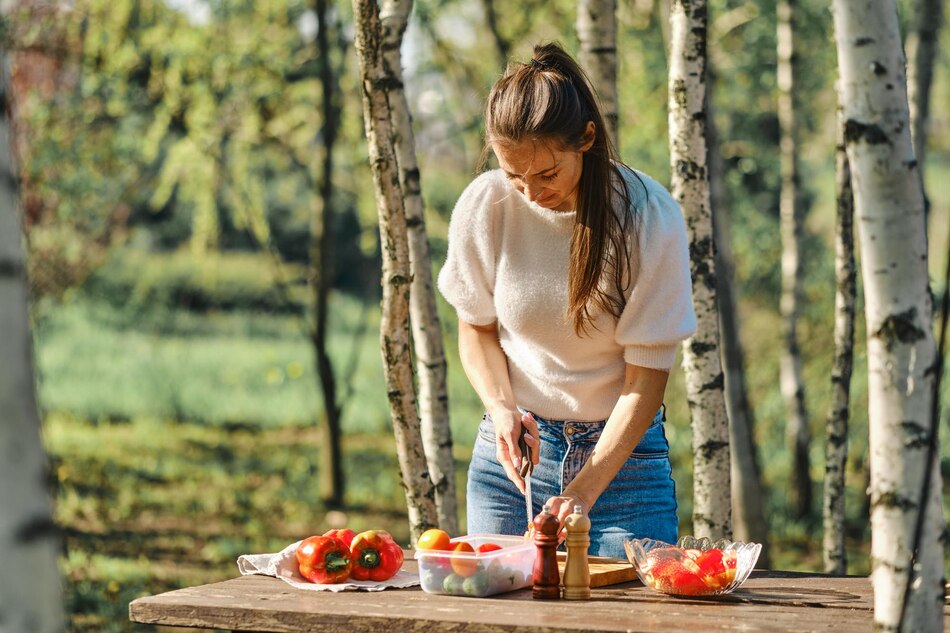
484,548
463,566
434,539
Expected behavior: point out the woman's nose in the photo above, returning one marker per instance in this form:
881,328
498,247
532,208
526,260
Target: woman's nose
531,192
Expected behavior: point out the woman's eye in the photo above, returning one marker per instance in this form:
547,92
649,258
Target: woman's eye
549,178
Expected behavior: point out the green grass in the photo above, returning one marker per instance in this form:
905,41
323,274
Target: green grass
152,505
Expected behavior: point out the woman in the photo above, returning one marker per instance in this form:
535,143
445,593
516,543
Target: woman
569,273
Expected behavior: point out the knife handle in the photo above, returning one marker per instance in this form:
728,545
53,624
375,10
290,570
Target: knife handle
527,465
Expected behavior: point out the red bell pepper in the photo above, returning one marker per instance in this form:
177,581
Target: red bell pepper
376,556
324,560
344,534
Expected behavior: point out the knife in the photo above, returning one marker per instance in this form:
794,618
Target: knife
526,468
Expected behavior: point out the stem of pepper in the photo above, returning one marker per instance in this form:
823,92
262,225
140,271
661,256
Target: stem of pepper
335,560
370,558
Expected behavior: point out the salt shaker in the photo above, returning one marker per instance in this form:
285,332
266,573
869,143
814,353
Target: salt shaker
577,570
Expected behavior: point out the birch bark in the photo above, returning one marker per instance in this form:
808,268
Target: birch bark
836,442
889,206
597,32
424,316
30,591
712,514
791,381
375,85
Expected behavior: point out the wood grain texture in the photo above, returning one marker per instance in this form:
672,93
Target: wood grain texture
604,572
769,601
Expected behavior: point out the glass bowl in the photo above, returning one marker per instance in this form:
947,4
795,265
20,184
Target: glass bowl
694,566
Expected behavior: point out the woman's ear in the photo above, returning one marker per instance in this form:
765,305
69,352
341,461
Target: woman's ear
590,134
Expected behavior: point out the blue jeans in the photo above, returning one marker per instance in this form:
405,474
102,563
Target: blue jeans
639,502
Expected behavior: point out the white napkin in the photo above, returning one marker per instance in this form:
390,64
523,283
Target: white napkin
283,565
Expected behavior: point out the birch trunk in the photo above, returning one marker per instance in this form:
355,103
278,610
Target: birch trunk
748,496
791,381
597,33
320,275
31,598
704,377
889,206
836,444
921,52
424,316
375,85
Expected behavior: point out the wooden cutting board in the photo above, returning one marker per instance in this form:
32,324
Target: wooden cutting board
603,571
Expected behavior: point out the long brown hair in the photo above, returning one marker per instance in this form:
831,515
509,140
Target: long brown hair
550,99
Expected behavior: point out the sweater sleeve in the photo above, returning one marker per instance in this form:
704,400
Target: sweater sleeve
467,279
659,310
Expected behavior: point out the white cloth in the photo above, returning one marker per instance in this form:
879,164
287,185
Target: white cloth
283,565
508,262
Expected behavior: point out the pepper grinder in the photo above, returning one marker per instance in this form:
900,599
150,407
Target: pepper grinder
547,578
577,570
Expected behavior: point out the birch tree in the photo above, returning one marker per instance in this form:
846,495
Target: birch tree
690,187
375,86
597,33
791,380
424,316
889,207
31,598
836,441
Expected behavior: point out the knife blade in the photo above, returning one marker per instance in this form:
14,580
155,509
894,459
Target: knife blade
527,498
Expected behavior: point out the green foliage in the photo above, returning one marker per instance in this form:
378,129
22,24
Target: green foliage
140,282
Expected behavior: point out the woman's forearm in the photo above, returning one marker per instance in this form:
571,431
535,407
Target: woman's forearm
636,407
485,365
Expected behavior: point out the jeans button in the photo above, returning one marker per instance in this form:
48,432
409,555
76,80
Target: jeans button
569,430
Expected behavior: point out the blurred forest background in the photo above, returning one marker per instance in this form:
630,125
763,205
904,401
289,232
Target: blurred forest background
170,156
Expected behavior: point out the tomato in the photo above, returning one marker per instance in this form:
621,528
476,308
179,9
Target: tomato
461,565
687,583
484,548
710,562
434,539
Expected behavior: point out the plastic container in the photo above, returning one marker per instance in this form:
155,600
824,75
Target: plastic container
694,566
478,574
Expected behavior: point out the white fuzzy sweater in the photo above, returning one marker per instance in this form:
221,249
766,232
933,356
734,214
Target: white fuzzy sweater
508,262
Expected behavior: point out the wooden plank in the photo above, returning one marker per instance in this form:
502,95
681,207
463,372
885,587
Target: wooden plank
769,601
604,571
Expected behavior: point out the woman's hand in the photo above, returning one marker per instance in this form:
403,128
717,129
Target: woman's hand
508,424
563,505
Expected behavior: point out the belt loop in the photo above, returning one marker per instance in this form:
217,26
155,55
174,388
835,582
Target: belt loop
663,409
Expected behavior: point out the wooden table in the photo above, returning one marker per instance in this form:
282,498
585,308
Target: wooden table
768,601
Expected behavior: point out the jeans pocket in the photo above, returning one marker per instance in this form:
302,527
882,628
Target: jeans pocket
653,445
486,430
